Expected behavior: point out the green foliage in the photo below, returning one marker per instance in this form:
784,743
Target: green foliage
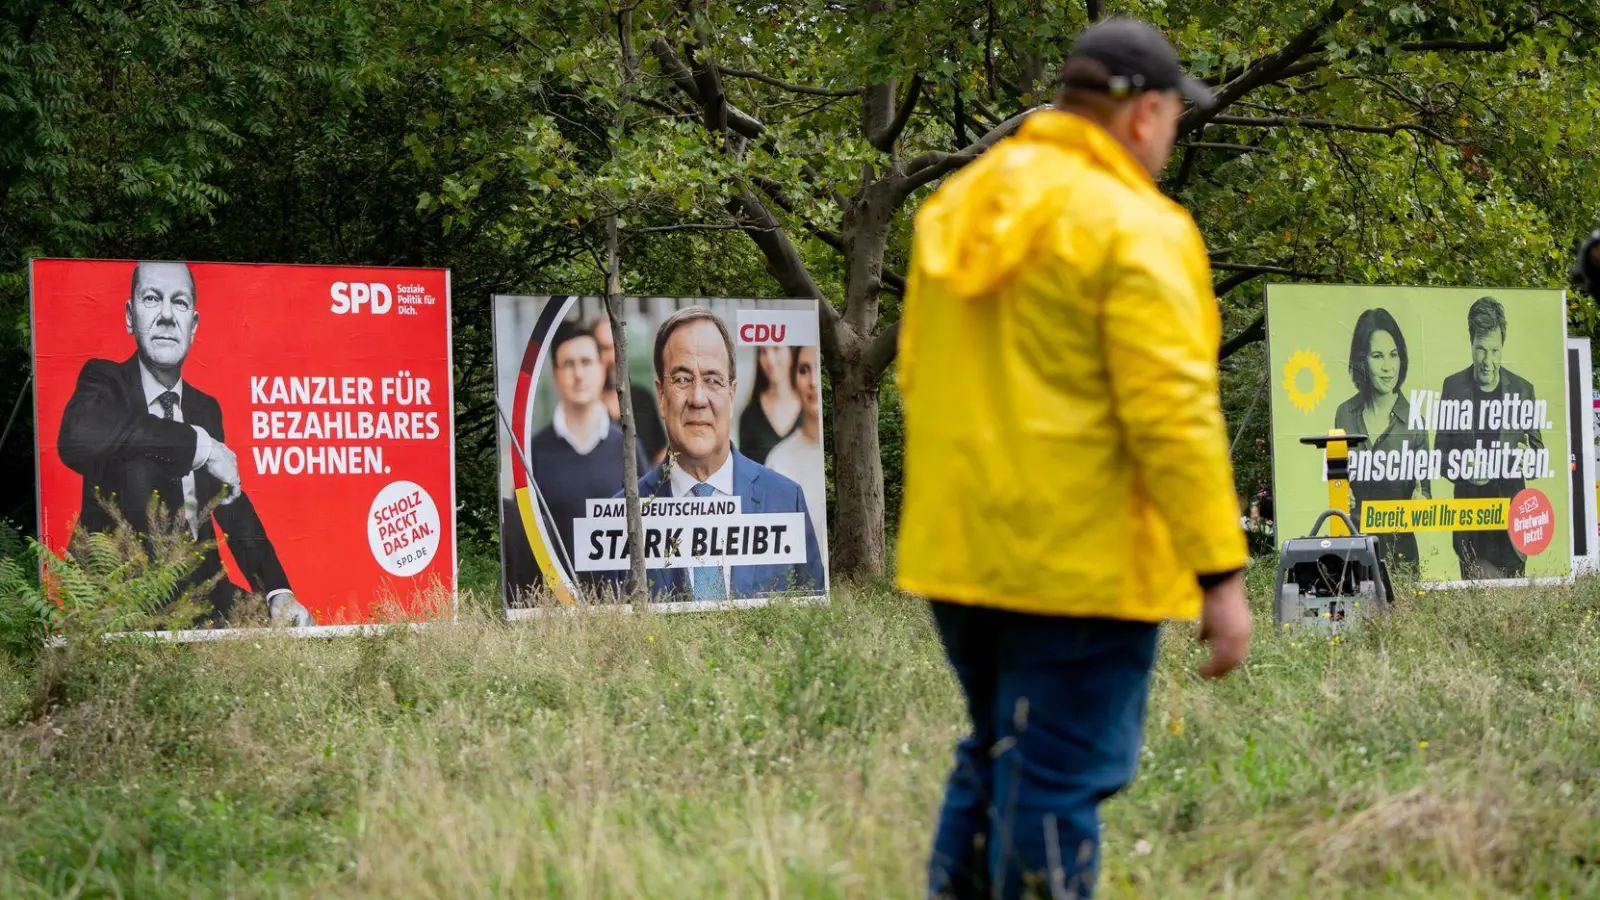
125,579
68,617
27,617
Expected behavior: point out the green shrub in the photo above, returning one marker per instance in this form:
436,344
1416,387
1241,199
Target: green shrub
65,616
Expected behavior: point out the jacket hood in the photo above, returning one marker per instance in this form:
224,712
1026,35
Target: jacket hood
981,225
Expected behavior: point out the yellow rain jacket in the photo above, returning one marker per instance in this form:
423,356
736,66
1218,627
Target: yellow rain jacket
1065,446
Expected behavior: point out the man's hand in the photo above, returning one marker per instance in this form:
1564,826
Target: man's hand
1225,625
224,465
286,610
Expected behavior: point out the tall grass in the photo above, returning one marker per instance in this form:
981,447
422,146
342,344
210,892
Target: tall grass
794,752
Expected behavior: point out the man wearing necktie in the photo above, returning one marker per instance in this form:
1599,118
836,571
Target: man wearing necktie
695,384
708,584
135,430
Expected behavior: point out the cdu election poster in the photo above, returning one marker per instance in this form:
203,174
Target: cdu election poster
1462,395
726,397
294,422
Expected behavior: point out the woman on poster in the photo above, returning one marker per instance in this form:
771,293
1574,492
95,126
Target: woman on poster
1379,409
799,456
774,409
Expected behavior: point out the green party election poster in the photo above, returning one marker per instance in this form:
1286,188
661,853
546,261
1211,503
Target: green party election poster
1461,394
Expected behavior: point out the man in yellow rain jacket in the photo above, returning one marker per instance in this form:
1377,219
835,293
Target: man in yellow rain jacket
1068,485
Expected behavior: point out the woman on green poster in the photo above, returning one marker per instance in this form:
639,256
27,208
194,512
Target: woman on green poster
1379,409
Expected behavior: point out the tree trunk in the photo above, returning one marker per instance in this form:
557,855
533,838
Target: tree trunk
855,543
637,585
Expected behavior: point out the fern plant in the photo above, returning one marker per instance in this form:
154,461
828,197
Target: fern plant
27,617
116,582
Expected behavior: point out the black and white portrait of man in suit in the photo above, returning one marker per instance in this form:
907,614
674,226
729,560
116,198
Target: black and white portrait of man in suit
135,429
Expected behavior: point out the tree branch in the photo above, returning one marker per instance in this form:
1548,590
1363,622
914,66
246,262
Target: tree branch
877,101
712,97
987,113
1500,45
783,259
931,166
988,53
893,281
1267,270
1304,67
1213,145
1186,168
1320,61
741,122
1309,64
1094,10
674,68
1252,333
881,352
716,105
960,121
1255,331
793,88
877,109
1010,85
1040,84
690,226
1425,46
1233,281
885,139
630,54
1324,125
1268,68
671,112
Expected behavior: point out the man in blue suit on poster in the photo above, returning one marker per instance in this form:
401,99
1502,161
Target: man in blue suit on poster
695,381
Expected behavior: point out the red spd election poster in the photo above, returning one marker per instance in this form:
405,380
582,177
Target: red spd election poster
295,420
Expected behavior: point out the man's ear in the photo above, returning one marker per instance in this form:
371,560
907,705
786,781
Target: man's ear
194,323
1147,109
127,315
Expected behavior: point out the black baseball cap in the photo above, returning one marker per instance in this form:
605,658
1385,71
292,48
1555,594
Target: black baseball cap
1138,57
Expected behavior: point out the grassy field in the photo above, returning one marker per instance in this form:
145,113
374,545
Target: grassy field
792,752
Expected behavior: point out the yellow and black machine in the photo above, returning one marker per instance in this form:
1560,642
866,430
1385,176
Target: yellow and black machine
1325,582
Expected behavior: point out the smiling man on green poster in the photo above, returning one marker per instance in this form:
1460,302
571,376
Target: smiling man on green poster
1461,393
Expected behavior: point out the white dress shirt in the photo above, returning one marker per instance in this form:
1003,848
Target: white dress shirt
721,482
202,448
202,445
564,431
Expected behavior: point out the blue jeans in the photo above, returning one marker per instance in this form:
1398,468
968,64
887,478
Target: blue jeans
1057,707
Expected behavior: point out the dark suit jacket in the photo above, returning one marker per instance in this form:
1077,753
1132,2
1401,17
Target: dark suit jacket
760,490
1462,386
127,455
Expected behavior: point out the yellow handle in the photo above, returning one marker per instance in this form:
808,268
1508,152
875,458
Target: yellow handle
1338,488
